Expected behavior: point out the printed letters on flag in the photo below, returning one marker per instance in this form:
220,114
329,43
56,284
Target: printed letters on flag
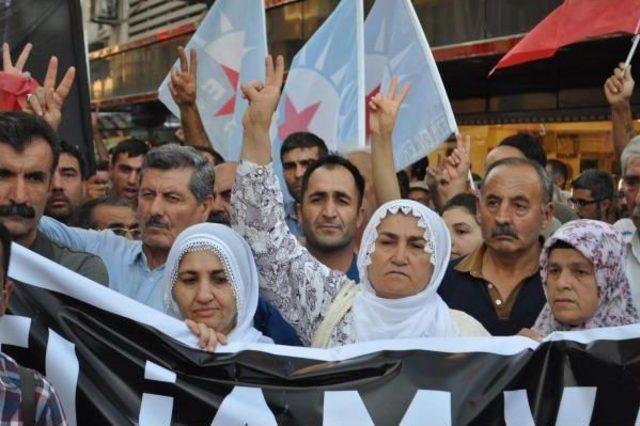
395,44
232,45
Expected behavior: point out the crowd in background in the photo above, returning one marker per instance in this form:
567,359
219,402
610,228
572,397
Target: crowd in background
360,252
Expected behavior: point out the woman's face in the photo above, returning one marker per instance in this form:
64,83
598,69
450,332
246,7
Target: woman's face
399,265
571,286
466,235
203,292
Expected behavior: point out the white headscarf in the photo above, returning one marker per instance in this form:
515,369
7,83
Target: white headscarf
422,315
239,266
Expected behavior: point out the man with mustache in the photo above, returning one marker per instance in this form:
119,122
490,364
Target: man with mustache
176,184
29,153
628,227
330,212
67,187
499,284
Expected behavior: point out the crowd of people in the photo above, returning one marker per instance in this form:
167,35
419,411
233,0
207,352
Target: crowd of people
361,252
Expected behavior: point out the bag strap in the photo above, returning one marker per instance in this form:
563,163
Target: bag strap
28,390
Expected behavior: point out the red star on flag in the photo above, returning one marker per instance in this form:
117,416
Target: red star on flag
367,99
234,77
294,120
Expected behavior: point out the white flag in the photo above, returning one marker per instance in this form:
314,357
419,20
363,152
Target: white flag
231,43
324,92
395,44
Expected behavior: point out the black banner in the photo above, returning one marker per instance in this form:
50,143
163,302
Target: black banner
123,363
54,27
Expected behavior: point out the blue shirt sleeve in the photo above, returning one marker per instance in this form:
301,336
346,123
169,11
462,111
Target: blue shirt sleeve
270,322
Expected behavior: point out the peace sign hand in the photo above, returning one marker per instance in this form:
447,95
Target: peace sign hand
384,109
184,81
7,64
49,99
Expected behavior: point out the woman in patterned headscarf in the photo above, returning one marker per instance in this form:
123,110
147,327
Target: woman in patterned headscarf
582,269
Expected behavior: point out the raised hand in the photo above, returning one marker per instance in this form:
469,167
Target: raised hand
49,99
263,97
184,81
7,64
384,109
459,162
208,338
619,87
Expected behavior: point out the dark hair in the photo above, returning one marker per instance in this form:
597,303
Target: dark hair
173,156
465,201
558,168
217,158
333,161
419,169
131,147
529,146
546,185
403,183
18,129
599,182
102,165
5,239
303,140
84,217
72,150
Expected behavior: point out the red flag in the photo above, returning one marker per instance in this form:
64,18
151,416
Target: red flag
571,22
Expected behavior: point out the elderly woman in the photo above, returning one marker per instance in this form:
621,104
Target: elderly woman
582,269
403,256
211,282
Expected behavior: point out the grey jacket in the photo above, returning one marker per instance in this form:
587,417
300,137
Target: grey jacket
86,264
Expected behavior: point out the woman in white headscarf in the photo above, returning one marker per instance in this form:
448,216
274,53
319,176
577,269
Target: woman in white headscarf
211,281
404,254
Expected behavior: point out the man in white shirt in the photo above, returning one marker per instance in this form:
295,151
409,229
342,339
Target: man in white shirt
630,163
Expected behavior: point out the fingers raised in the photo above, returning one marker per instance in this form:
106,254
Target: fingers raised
52,73
193,59
184,64
66,84
24,56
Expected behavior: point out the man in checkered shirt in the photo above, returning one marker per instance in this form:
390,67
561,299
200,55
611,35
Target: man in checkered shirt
15,409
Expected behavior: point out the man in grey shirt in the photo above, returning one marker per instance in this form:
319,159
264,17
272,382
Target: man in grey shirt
29,152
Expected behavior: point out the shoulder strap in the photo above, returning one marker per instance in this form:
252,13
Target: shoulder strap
340,306
28,390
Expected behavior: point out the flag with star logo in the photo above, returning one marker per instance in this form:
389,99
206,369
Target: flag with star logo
324,91
231,43
395,44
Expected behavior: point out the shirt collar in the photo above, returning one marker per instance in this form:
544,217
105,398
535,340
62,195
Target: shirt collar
472,264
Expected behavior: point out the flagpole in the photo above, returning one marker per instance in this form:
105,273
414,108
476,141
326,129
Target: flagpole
634,46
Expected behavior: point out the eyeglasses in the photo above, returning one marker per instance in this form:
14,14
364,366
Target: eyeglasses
583,203
134,233
631,181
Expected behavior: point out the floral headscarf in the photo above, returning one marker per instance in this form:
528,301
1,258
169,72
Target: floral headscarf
601,244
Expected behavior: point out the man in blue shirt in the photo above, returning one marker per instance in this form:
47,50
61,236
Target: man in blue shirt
176,188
